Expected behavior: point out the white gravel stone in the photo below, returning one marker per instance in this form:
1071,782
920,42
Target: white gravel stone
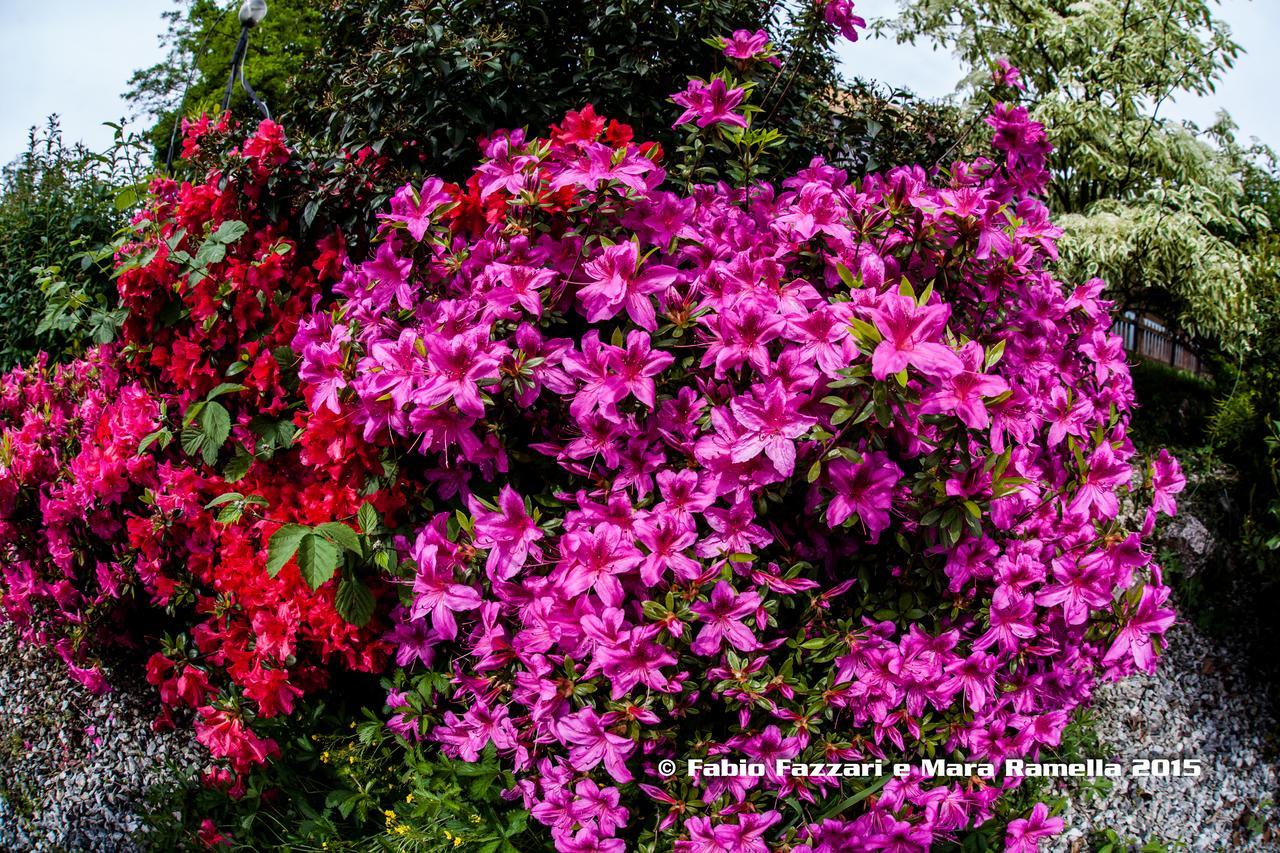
75,768
1199,704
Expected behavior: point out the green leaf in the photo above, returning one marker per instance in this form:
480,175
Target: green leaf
215,421
354,602
229,232
224,498
239,465
224,388
193,441
341,535
317,559
128,198
283,545
230,514
367,518
845,804
161,435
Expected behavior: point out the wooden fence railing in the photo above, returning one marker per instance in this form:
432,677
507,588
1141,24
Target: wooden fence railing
1150,338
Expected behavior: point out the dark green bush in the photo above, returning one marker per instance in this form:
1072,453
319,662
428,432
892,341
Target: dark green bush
58,207
1174,406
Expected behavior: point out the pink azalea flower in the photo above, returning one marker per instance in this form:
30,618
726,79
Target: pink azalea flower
592,560
910,334
722,620
592,743
1105,472
634,369
839,13
1024,834
458,364
863,488
391,273
966,392
414,208
509,534
1148,620
709,104
1007,74
1167,480
1080,588
436,592
744,45
1011,619
771,422
615,281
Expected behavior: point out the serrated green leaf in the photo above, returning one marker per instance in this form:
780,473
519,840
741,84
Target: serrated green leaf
318,559
354,602
239,465
215,422
230,514
229,232
283,545
367,518
341,535
224,388
193,441
161,435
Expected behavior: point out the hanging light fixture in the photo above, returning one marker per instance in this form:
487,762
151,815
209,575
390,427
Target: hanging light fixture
251,14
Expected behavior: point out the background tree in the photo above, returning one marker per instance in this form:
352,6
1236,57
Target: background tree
421,81
1154,206
59,205
201,36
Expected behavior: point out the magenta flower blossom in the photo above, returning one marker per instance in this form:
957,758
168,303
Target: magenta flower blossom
1024,834
1080,588
745,45
390,272
1007,74
966,392
708,104
910,337
600,164
771,423
509,534
414,208
1148,621
458,364
722,620
1097,492
475,730
1011,619
975,675
592,743
438,594
839,13
592,560
615,281
633,369
863,488
1167,480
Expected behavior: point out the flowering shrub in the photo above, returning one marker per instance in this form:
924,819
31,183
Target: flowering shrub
618,467
821,471
109,464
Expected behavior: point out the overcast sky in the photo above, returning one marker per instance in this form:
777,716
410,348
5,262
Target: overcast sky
74,57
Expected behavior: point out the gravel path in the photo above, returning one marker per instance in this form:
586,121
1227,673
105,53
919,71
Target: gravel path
1197,705
75,767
